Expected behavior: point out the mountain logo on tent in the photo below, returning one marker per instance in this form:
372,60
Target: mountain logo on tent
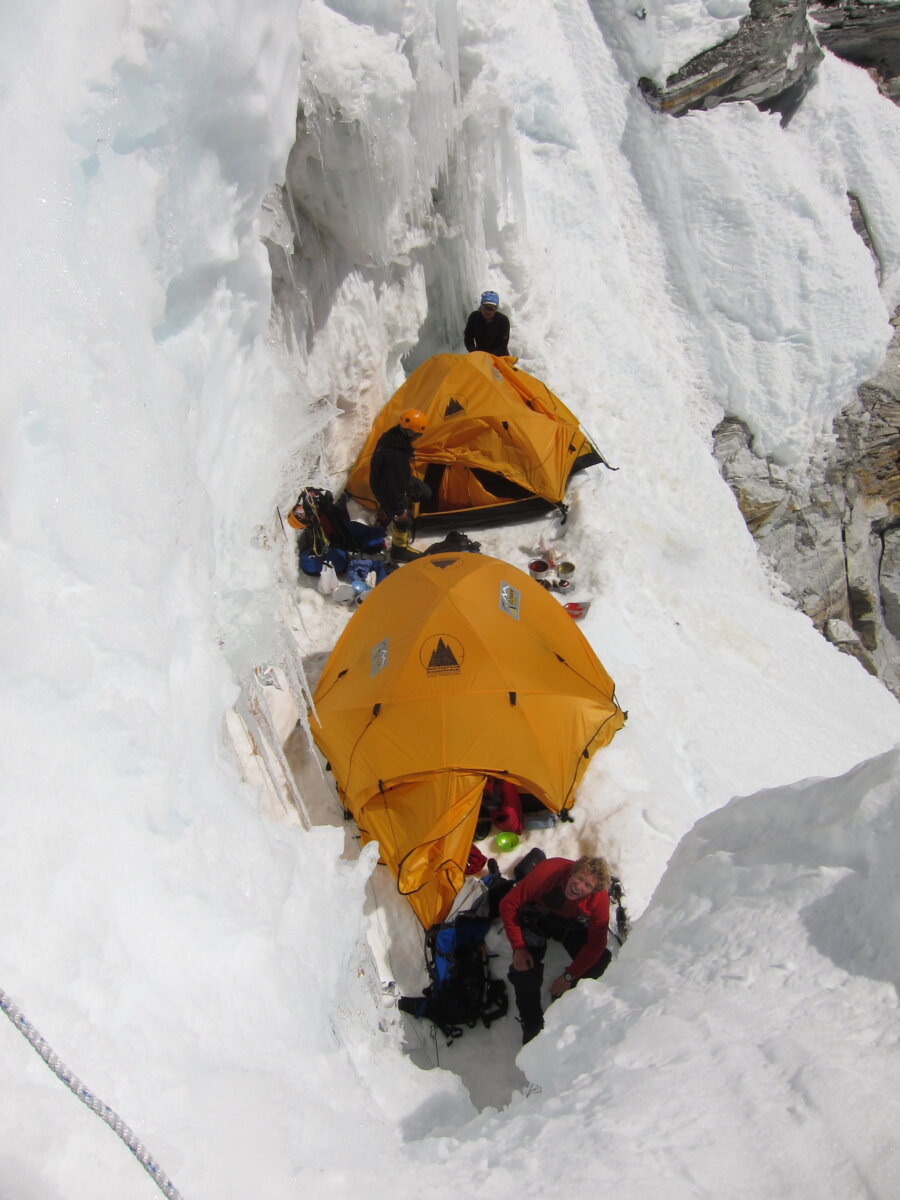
510,600
453,407
379,658
442,655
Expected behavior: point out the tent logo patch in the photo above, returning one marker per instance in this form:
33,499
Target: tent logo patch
510,600
442,655
453,407
379,658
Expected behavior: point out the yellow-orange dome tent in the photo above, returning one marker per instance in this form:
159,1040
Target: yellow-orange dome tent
457,667
498,442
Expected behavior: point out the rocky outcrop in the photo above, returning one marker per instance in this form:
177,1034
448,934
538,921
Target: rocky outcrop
865,34
769,61
771,58
834,540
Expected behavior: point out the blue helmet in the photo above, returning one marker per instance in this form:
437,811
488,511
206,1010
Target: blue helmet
490,298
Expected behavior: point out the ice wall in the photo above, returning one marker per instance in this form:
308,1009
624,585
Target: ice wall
407,195
399,190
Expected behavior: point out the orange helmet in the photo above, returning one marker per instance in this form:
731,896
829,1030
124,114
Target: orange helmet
297,515
413,420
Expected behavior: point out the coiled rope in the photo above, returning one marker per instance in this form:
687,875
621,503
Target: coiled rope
115,1122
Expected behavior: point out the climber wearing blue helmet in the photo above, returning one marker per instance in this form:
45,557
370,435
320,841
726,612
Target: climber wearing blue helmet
487,329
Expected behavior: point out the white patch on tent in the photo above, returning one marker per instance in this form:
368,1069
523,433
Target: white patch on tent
510,600
379,658
442,655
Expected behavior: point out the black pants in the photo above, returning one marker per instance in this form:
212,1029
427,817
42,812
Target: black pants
416,491
527,984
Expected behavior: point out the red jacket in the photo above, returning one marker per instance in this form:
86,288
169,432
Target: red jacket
548,876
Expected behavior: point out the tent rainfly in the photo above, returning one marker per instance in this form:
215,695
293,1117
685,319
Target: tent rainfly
499,444
457,668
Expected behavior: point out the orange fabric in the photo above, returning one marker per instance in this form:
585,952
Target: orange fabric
483,414
456,668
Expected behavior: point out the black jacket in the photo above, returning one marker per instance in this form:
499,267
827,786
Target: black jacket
491,336
391,470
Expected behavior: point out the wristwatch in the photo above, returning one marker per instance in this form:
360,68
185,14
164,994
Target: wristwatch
569,977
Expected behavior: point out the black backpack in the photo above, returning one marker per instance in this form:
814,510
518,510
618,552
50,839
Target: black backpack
325,520
462,991
454,543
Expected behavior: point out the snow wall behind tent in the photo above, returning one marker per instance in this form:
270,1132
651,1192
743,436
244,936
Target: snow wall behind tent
456,668
498,442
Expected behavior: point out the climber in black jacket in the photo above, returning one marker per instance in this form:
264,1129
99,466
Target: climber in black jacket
487,329
391,478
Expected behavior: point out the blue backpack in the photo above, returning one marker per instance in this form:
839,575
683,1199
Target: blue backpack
462,991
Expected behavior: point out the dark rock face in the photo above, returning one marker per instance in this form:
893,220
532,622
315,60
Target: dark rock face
835,539
769,61
865,34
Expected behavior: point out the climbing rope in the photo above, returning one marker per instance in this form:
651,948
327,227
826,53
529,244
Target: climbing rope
102,1110
812,538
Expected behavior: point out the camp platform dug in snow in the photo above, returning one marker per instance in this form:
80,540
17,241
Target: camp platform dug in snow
498,443
457,668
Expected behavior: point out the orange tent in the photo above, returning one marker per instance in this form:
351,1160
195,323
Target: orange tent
498,442
456,668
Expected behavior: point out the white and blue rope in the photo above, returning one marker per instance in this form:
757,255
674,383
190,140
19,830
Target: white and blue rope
115,1122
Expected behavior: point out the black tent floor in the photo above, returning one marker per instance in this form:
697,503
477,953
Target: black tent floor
481,518
499,514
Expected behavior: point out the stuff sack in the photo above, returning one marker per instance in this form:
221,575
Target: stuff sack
366,539
476,861
501,805
312,564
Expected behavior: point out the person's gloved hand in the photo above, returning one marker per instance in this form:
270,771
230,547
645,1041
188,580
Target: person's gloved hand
522,960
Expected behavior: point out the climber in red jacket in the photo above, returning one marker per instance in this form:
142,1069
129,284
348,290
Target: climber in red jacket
569,902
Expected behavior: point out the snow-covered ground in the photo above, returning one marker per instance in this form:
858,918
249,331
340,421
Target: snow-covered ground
212,970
